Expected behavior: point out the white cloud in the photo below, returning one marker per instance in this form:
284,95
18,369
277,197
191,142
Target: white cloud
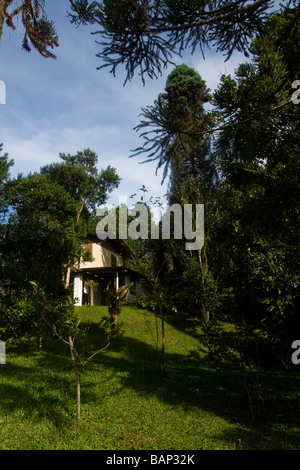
214,66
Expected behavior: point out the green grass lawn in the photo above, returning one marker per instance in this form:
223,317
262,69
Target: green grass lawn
127,403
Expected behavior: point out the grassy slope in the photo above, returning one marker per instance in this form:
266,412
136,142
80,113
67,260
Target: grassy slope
127,404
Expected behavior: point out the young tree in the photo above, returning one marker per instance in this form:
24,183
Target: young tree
67,328
153,267
150,259
116,300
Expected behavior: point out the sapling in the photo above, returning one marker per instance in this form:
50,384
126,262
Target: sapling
68,331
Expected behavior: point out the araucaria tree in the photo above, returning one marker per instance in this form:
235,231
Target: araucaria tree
176,132
172,126
144,35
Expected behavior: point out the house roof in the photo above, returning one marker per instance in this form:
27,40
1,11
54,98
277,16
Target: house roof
106,270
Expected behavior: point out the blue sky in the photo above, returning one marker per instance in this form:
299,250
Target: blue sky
67,105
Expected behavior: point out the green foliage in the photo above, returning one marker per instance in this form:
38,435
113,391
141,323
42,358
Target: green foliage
17,317
275,280
185,85
258,153
50,215
79,176
5,165
199,287
83,12
24,314
156,300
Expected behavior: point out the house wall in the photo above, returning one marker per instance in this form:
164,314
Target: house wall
102,257
78,280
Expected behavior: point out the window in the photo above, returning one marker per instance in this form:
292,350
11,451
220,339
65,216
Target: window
89,247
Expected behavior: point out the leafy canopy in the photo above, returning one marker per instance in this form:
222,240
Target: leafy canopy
50,215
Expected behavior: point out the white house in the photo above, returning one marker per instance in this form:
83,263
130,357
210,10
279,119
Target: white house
106,271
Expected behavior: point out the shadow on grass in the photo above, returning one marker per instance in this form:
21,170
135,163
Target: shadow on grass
42,385
192,382
188,324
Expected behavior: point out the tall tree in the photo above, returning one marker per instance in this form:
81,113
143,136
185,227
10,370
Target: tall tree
180,141
79,176
173,125
40,236
259,154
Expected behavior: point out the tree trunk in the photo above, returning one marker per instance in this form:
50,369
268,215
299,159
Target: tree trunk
78,395
204,272
68,276
91,296
164,364
163,346
77,373
41,342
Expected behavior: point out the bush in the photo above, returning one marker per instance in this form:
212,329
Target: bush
24,314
